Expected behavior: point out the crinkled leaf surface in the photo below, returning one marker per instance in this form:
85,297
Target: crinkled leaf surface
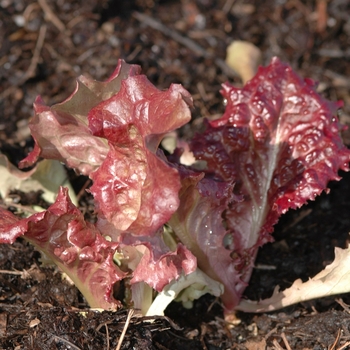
110,131
334,279
168,267
73,244
61,132
276,146
135,189
278,142
139,103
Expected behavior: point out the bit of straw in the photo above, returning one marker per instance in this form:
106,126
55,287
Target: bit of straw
243,57
127,322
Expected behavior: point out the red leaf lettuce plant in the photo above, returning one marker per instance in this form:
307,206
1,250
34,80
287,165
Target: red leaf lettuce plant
162,225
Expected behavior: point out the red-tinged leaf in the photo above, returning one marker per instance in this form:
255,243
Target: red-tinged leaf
279,142
61,132
74,245
140,103
198,223
7,219
111,132
134,189
157,273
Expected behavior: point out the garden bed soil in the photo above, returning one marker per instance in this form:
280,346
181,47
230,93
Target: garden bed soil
47,44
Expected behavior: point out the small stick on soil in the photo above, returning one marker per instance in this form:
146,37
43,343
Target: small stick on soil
107,336
343,305
36,55
285,341
216,300
3,324
33,63
228,6
270,333
119,345
277,346
344,346
190,44
322,16
28,10
8,272
50,16
82,190
23,208
335,341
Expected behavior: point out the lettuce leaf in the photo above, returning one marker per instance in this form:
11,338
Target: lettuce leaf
277,146
73,244
278,142
61,132
110,131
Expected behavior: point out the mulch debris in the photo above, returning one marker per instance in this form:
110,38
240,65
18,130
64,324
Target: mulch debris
46,44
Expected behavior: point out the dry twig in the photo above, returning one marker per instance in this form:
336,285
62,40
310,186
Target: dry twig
50,16
344,346
130,314
23,208
228,6
272,331
28,10
322,16
30,72
277,346
343,305
9,272
336,341
285,341
36,54
107,336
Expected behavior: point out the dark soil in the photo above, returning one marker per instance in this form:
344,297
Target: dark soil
47,44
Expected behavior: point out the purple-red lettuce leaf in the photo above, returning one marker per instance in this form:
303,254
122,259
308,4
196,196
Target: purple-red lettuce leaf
155,270
135,189
73,244
159,273
152,266
110,131
198,224
62,132
276,146
138,102
278,142
80,250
